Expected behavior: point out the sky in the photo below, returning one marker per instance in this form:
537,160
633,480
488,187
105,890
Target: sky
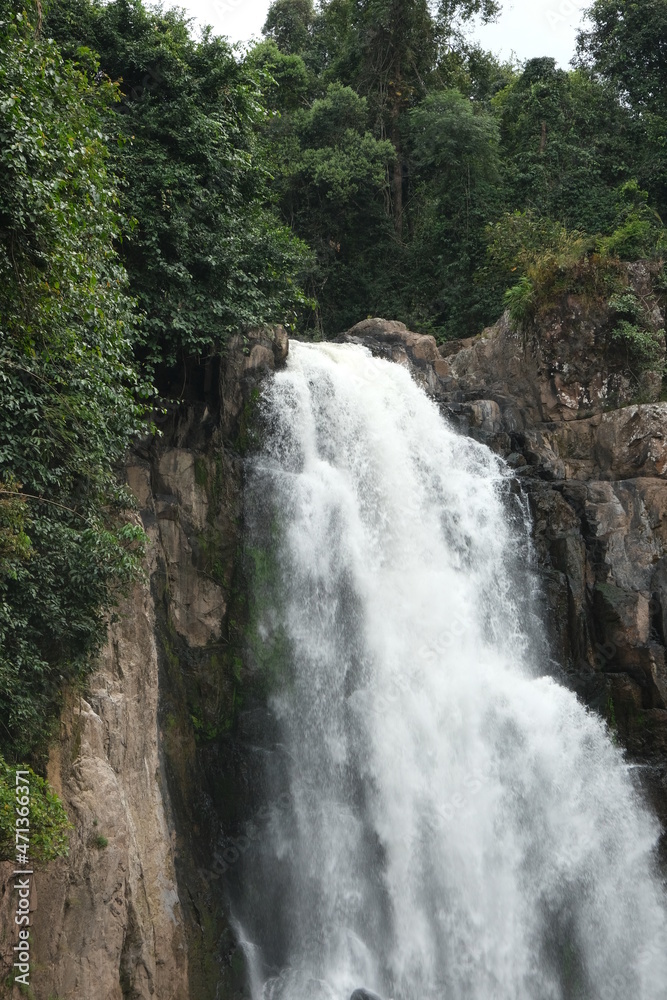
526,28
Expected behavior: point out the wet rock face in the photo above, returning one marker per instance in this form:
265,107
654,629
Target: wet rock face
141,764
107,921
363,994
558,404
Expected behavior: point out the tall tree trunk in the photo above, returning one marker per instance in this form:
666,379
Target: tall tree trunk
397,180
397,186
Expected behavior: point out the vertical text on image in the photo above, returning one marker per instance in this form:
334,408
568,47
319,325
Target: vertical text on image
22,876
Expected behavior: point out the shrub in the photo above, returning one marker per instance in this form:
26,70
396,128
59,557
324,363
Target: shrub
520,300
49,824
549,260
638,233
645,348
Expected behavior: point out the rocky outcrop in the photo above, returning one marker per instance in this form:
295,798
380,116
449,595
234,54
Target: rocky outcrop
587,439
134,911
107,921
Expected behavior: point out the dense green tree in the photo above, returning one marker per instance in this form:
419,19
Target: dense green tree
398,44
387,50
627,47
477,74
288,23
286,83
453,141
571,149
627,44
207,256
472,139
331,180
393,53
398,48
456,182
566,145
69,391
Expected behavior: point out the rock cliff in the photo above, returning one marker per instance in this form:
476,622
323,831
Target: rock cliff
154,761
134,911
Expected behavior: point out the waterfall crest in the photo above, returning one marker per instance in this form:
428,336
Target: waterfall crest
446,821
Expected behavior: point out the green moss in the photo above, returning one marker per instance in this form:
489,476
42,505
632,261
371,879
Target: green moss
205,731
237,663
205,977
216,696
248,437
215,492
25,991
613,595
201,473
238,964
270,647
206,695
275,660
212,555
168,641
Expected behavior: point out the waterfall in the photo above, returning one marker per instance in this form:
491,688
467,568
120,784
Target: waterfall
442,819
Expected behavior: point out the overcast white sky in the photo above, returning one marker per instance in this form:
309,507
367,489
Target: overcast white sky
526,27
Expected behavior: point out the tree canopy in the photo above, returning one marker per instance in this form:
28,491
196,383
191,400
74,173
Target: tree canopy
206,255
470,142
71,398
626,46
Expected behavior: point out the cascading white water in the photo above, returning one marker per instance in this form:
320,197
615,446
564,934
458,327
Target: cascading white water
453,823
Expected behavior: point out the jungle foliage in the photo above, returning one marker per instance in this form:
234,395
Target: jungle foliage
451,145
27,795
360,159
205,254
71,397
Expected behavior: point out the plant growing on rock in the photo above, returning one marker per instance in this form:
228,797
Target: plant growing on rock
549,261
645,347
71,399
638,232
520,300
49,825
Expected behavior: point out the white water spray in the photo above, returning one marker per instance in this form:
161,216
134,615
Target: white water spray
459,826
